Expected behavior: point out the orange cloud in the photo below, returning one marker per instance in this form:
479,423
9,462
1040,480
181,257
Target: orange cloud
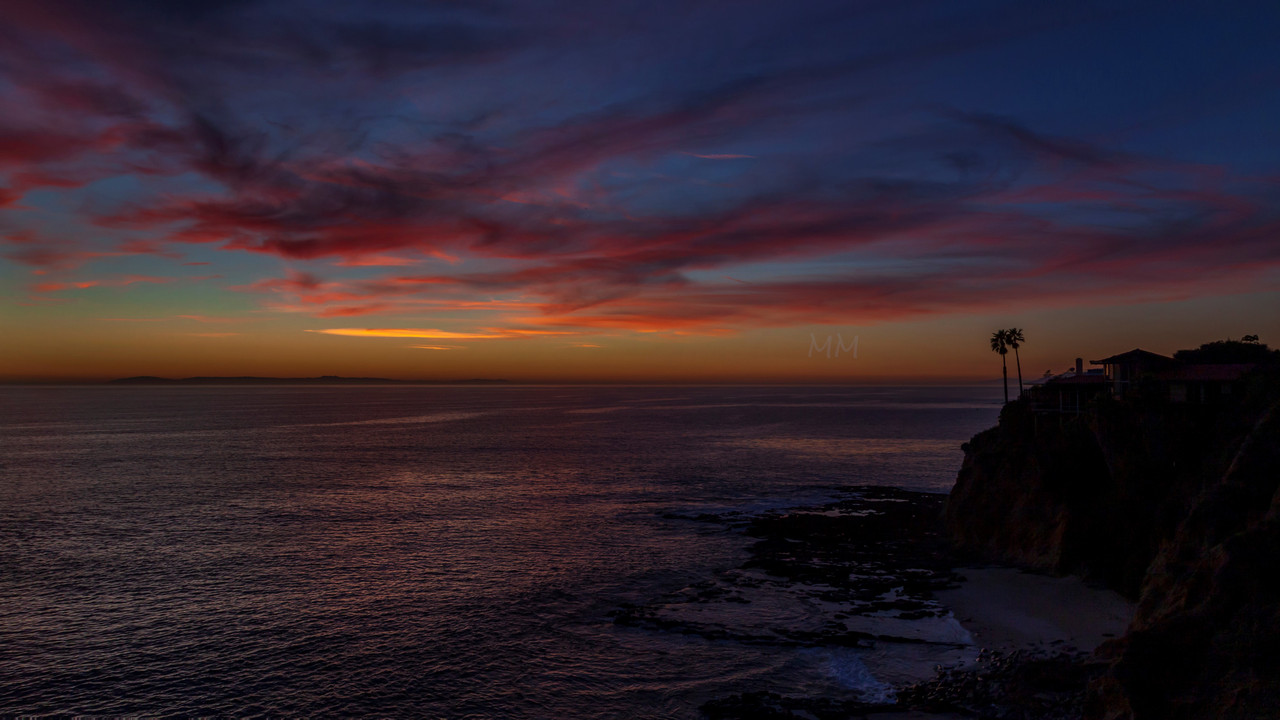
424,333
353,310
376,261
433,334
58,286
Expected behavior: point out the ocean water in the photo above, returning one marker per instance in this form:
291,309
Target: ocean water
431,551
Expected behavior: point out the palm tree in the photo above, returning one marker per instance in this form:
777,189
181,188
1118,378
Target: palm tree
999,343
1013,336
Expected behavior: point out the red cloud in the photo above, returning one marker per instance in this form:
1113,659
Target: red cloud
30,147
354,310
549,236
124,281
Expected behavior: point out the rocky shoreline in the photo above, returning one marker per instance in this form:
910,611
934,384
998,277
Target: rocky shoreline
1154,528
864,571
1177,507
1017,685
877,552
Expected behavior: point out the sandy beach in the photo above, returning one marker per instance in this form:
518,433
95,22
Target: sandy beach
1007,609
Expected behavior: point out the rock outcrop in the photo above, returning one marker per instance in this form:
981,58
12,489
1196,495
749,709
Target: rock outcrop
1176,506
1203,643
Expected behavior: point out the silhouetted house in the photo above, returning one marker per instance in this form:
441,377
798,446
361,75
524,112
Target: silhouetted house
1122,375
1203,383
1067,392
1126,369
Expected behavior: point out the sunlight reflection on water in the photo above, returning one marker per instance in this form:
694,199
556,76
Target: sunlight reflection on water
418,550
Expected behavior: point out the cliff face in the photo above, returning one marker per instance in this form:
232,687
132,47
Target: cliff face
1203,643
1175,506
1094,494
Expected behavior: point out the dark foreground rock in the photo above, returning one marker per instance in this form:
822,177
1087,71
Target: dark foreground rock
1204,641
1177,506
1095,494
865,565
1020,685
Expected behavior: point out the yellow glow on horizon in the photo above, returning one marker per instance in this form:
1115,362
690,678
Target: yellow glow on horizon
434,334
55,342
419,333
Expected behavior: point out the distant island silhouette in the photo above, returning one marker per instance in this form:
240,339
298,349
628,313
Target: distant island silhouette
322,380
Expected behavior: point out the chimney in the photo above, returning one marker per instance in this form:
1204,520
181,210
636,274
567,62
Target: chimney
1079,366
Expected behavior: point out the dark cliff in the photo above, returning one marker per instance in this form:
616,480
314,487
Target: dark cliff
1176,506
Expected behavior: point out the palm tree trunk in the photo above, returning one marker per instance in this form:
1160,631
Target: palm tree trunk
1019,361
1004,368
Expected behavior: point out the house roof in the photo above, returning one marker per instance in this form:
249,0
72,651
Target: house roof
1134,355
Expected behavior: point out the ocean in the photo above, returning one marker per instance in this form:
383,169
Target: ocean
425,551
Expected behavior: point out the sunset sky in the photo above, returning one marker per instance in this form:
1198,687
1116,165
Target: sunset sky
608,191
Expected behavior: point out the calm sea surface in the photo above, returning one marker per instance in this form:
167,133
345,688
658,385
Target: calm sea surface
414,551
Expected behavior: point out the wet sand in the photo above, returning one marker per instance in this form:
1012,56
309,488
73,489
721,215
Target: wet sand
1023,628
1007,609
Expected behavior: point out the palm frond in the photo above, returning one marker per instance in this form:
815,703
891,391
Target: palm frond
999,341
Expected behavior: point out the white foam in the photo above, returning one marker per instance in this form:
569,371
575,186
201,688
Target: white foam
846,668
